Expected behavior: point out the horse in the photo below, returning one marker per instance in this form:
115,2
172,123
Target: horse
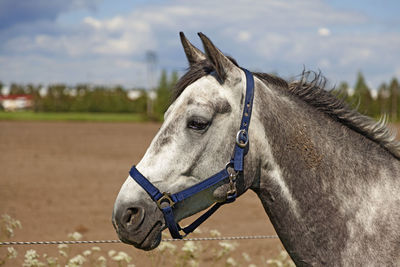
327,176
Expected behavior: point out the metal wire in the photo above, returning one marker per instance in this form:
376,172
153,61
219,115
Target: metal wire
77,242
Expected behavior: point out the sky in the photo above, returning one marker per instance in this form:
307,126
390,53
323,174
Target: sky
106,42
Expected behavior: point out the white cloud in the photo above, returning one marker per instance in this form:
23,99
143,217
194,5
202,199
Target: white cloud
324,31
93,22
244,36
265,35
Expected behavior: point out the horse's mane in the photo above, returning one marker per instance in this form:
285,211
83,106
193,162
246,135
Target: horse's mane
311,89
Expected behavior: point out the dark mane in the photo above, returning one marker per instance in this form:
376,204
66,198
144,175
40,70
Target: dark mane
311,89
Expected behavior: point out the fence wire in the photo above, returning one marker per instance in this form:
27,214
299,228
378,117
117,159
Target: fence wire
78,242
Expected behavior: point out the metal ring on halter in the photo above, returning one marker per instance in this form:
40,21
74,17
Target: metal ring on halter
239,141
231,193
232,173
166,198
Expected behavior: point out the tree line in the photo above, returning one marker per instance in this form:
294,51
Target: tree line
107,99
86,98
386,102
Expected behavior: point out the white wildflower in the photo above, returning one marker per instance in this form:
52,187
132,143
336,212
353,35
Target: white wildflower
96,248
75,236
111,253
167,246
189,246
197,231
122,256
12,253
246,257
62,246
52,261
32,259
252,265
17,224
227,246
276,263
283,255
9,220
31,254
6,217
231,262
63,253
102,261
215,233
193,263
165,235
87,253
76,261
9,231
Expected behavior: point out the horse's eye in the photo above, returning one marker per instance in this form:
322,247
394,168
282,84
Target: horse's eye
198,124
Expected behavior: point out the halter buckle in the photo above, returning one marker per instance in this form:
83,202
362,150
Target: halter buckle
232,187
241,138
165,199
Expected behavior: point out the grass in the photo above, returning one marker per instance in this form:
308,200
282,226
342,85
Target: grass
71,116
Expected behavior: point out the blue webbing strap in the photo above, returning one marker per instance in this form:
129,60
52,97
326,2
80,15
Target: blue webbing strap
155,194
153,191
173,226
245,123
177,197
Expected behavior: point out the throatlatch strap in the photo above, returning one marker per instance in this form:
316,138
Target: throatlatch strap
243,134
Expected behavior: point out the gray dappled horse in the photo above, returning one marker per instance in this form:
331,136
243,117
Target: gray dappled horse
327,176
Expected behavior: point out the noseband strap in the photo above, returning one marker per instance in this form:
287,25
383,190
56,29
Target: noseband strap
167,201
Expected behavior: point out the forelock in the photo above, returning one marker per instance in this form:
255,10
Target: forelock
195,72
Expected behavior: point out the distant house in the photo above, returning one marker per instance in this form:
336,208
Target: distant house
16,102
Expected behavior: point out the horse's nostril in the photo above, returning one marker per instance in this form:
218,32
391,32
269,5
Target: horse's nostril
133,217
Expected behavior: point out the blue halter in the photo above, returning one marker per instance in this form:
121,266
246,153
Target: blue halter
166,201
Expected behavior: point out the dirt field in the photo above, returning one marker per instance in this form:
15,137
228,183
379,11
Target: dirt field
60,177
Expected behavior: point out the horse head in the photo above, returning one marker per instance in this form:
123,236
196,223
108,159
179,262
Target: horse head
195,141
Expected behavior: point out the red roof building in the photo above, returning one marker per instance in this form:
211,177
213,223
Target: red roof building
16,102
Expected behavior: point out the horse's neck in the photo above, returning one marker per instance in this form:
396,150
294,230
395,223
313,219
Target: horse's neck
320,182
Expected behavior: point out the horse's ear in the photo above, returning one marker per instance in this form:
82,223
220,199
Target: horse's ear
222,64
193,54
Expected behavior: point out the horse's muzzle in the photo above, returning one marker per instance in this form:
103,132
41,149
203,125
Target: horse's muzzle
138,224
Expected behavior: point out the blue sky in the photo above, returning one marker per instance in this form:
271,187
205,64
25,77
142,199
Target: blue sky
105,42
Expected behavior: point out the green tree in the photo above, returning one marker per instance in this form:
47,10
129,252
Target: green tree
16,89
174,79
394,91
363,93
383,99
163,99
33,90
80,102
342,91
139,105
57,99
